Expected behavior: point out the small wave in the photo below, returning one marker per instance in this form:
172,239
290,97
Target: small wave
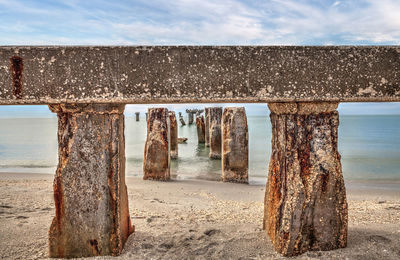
26,166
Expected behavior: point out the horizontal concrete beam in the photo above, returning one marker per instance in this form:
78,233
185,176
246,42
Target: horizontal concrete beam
169,74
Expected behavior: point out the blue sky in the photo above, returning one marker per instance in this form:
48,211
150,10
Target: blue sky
202,22
205,22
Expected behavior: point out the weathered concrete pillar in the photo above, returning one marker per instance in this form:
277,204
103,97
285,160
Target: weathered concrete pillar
181,119
190,115
173,135
200,129
92,214
207,126
137,115
235,145
215,132
305,200
156,163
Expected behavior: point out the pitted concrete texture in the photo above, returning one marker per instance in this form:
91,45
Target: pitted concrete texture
173,135
305,200
235,145
303,108
175,74
92,214
215,132
156,164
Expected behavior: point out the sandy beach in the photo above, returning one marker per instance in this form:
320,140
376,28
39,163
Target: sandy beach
197,219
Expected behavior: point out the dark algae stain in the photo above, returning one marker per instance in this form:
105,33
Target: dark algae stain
95,246
17,66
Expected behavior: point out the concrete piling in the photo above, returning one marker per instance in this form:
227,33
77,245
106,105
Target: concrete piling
173,135
305,200
235,145
200,129
215,132
156,165
207,126
181,119
190,118
91,200
137,116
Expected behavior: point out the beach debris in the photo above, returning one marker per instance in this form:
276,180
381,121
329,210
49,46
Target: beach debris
181,119
182,140
156,165
200,129
305,200
91,201
215,132
137,116
235,145
207,126
210,232
173,135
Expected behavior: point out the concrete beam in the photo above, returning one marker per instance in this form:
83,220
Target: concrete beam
172,74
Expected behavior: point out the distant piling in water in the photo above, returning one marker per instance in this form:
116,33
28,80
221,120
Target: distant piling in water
235,145
173,135
200,129
181,119
207,126
215,132
156,165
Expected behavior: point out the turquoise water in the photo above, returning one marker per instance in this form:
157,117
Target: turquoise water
369,145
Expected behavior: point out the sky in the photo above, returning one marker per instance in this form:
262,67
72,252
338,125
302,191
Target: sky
199,22
202,22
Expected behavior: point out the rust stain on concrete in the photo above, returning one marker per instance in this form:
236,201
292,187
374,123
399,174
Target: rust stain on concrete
17,67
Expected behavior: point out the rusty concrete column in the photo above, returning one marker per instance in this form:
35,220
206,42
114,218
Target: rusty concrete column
173,135
92,213
215,132
190,115
200,129
207,126
305,200
156,163
235,145
137,115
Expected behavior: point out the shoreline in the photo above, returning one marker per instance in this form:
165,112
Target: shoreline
376,183
194,219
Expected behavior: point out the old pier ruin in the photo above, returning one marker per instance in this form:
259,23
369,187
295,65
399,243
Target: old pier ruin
156,164
305,201
214,132
201,129
235,145
173,130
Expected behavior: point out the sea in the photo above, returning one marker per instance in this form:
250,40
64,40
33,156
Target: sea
369,146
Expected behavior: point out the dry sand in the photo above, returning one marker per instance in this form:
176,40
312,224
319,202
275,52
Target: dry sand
196,219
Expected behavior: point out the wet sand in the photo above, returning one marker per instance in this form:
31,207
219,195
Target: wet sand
198,219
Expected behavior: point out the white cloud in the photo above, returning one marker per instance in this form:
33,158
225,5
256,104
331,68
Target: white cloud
203,22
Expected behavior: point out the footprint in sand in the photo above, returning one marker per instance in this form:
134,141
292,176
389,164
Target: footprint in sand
21,217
